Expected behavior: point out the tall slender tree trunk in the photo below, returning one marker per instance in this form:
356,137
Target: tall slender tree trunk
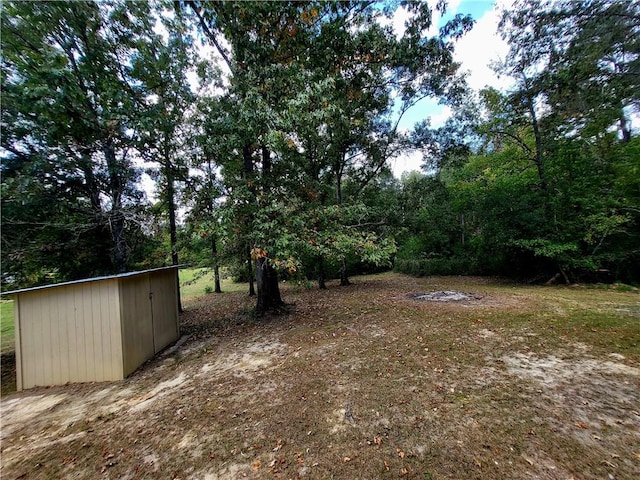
321,274
252,290
116,215
248,175
171,209
116,225
344,278
216,268
538,155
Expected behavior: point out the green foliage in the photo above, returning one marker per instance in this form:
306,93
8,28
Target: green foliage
455,265
69,109
547,186
285,149
302,138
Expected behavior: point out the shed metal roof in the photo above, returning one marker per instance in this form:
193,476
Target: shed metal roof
94,279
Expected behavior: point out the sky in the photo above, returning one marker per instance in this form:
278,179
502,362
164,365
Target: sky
475,51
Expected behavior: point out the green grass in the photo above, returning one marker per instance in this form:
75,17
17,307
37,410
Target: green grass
196,282
6,326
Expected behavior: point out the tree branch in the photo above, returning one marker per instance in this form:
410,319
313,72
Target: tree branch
210,34
517,139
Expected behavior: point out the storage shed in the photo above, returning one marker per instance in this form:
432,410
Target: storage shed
99,329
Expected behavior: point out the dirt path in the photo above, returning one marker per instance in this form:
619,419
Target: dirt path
359,382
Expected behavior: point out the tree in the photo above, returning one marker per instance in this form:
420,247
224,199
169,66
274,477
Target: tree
69,110
535,171
575,64
297,132
580,57
165,134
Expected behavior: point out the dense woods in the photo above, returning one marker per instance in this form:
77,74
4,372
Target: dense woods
266,131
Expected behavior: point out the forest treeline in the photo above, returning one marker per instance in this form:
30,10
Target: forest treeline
268,129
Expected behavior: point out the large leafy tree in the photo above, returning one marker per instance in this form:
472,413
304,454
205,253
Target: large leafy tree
70,111
165,134
577,58
310,105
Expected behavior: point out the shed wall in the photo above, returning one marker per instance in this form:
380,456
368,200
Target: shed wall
68,334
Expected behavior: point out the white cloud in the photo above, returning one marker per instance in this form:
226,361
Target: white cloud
408,161
396,21
478,48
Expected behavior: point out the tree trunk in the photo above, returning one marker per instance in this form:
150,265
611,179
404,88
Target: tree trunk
171,209
248,175
344,279
116,225
339,168
116,215
252,290
269,298
216,268
321,275
538,159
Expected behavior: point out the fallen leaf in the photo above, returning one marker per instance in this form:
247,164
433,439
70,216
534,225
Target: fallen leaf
346,459
386,465
256,465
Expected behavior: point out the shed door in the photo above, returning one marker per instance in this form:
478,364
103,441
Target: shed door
137,322
164,301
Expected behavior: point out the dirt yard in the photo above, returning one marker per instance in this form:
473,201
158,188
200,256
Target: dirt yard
385,378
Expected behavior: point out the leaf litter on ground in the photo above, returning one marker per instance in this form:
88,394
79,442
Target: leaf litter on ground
359,382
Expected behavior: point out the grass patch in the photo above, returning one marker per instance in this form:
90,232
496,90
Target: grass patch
7,327
196,282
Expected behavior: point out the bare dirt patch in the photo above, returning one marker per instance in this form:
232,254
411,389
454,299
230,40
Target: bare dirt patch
359,382
446,296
